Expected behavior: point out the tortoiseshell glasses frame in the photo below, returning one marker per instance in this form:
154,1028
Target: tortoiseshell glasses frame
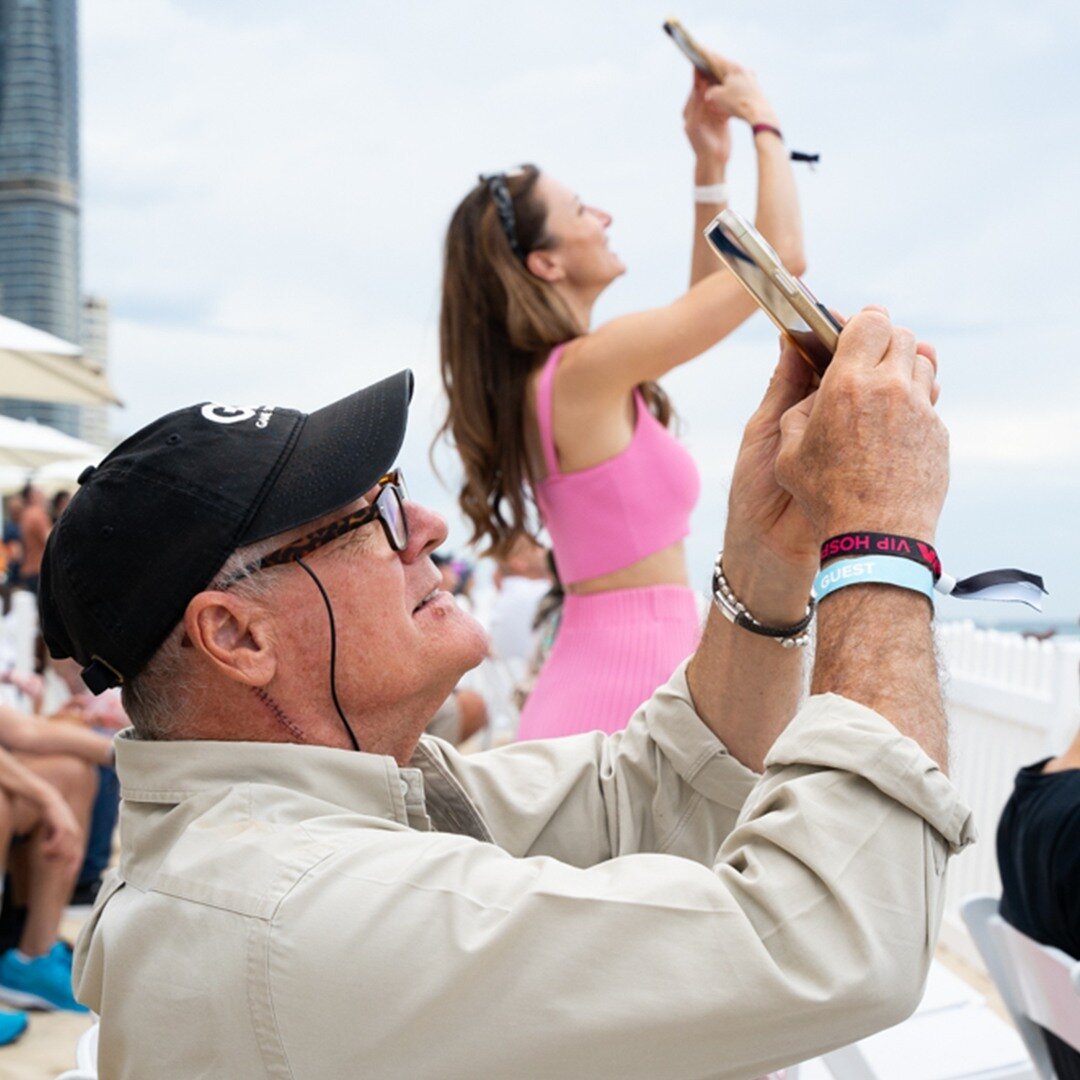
388,509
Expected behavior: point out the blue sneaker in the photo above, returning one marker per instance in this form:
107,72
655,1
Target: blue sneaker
63,952
12,1025
43,982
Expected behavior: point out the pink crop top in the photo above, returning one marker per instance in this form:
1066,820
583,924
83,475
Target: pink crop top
614,514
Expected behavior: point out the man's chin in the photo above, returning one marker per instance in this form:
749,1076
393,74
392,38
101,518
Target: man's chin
480,645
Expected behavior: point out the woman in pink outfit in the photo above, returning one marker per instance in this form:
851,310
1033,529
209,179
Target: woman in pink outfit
541,402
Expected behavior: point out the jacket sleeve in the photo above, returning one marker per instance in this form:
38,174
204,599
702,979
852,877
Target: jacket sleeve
810,925
664,784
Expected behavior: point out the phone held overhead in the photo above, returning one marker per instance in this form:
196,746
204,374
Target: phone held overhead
692,51
808,324
709,70
815,332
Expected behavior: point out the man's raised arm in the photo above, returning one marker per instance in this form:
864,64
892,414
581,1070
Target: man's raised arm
865,451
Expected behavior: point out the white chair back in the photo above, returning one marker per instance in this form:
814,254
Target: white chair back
86,1055
1048,981
1039,985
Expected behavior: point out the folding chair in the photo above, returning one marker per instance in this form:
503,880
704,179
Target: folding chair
1040,985
86,1050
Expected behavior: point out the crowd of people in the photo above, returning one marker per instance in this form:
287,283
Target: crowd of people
59,795
683,866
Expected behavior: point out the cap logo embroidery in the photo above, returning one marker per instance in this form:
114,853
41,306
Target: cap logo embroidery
226,414
235,414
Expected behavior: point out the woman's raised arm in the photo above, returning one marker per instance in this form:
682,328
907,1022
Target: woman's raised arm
646,345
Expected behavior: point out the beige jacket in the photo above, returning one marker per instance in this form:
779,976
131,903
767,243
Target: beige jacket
635,906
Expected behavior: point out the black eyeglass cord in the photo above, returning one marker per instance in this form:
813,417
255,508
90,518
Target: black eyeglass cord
333,652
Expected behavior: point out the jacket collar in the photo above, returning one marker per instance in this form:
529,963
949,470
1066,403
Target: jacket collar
169,772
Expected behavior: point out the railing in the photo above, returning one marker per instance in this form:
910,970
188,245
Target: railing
1011,700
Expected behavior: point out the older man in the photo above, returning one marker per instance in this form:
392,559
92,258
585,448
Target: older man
308,888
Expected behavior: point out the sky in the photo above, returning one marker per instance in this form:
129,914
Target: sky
266,188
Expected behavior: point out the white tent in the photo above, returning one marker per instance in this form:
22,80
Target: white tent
39,367
26,446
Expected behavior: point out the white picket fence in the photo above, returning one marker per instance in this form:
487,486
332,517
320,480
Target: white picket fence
1011,700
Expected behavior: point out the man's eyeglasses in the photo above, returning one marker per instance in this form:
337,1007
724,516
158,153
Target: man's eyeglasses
388,509
504,207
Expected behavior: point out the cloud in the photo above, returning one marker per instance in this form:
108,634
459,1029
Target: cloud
266,189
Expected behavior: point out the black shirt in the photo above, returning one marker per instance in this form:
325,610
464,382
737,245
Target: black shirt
1038,850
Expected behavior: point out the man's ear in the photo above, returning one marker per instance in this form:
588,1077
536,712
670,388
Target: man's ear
233,635
545,265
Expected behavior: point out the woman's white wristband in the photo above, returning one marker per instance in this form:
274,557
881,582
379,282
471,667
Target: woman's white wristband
874,570
710,193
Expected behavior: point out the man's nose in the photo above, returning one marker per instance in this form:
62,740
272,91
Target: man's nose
427,530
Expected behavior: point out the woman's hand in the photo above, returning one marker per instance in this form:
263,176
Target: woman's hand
707,129
739,94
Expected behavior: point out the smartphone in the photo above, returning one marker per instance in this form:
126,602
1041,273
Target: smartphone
809,325
691,50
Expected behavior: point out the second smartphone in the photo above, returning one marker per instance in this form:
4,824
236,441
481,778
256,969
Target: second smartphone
809,325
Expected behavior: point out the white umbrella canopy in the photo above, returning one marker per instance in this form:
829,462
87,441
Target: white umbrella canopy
27,446
65,473
39,367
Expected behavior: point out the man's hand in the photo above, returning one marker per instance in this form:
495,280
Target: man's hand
760,511
745,686
867,450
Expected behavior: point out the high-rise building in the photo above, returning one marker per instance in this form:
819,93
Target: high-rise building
39,182
95,344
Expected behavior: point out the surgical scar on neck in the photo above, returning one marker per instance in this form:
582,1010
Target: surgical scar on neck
278,713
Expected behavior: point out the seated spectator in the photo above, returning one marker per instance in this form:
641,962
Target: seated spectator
34,526
522,579
310,887
58,505
1038,850
13,549
457,577
105,715
44,807
32,736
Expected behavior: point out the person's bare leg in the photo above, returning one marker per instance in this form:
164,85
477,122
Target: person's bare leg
7,832
49,882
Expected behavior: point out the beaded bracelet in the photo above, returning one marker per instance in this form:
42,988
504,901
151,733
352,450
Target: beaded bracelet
734,610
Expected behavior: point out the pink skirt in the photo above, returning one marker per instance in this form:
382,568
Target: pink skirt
612,650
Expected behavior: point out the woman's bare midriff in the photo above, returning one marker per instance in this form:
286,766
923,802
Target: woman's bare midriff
665,567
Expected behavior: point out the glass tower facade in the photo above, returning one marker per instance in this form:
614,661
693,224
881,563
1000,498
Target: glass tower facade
39,180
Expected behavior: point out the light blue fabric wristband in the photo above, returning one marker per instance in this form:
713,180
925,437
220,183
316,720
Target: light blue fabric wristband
874,570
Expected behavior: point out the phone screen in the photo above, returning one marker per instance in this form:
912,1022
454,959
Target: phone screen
773,299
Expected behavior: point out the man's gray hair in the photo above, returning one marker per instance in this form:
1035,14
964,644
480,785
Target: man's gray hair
163,698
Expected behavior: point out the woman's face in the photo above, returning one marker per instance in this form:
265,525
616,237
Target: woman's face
580,237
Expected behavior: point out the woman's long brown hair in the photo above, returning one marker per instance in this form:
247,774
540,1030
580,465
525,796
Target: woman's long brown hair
497,325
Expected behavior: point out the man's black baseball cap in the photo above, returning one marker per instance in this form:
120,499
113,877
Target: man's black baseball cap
155,521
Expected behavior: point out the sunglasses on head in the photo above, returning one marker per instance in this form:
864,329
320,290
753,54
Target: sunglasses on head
504,207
